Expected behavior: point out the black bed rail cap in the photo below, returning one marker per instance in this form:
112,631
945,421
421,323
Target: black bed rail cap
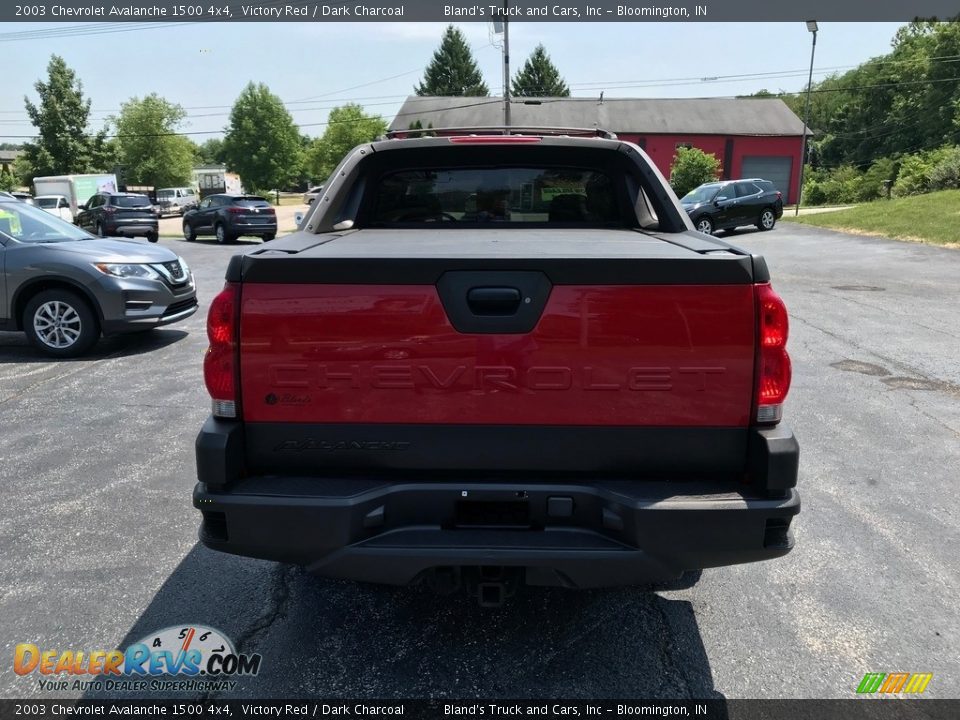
501,130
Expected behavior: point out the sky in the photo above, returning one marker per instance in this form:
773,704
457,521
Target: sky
315,66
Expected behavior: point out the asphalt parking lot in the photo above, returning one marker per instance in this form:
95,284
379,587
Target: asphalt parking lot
98,536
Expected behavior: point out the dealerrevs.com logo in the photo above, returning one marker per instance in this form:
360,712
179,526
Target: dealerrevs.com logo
186,657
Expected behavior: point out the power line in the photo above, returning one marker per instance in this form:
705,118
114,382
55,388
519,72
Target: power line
498,100
619,84
919,147
495,101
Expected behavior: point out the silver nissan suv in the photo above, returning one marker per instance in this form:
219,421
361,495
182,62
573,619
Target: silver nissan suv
64,287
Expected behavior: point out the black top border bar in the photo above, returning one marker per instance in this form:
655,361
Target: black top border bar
457,11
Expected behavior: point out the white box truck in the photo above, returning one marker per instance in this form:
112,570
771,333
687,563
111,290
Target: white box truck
77,189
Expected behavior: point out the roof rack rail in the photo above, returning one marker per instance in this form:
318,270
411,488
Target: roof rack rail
504,130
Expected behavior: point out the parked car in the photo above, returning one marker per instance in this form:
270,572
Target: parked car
176,201
23,196
312,194
730,204
525,363
114,214
227,217
65,288
55,205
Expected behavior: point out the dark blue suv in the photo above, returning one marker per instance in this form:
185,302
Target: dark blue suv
729,204
227,217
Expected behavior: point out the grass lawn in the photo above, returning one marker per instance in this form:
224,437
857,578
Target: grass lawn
286,199
932,218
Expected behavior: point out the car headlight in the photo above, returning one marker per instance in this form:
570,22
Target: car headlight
128,270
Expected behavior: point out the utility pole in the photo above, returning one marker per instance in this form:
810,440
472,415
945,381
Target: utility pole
506,66
812,28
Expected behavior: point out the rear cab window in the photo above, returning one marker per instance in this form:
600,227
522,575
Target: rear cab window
551,195
130,201
250,201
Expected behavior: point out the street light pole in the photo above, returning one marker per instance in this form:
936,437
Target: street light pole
812,27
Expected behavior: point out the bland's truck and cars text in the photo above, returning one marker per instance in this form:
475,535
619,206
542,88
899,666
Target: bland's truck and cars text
491,359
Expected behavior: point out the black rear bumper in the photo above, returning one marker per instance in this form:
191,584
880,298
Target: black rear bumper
578,532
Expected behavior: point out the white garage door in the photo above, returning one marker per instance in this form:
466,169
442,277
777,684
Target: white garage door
776,169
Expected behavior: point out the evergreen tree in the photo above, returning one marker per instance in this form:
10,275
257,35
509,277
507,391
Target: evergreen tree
453,69
63,145
419,130
539,77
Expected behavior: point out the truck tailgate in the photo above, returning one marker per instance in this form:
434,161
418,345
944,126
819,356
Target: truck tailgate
370,332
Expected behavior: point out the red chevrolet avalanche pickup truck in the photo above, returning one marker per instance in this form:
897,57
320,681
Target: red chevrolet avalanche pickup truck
491,359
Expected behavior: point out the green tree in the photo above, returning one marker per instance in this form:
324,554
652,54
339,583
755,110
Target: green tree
7,181
148,146
539,77
453,69
262,142
347,127
23,172
692,167
61,118
891,105
209,152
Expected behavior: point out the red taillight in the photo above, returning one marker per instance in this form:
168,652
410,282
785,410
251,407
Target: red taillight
773,362
109,209
779,195
236,210
270,211
494,139
220,362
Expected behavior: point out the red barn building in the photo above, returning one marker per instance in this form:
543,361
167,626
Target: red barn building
752,137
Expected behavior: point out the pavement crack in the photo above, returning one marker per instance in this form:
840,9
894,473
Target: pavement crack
934,418
936,384
667,648
276,609
69,373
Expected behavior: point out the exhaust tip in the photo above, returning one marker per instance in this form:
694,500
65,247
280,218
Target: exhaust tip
776,534
214,526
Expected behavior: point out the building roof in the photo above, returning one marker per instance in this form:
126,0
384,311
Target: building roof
685,116
8,156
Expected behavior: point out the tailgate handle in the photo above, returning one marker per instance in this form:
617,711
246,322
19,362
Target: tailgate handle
493,300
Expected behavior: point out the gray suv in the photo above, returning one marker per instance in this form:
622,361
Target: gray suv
64,288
